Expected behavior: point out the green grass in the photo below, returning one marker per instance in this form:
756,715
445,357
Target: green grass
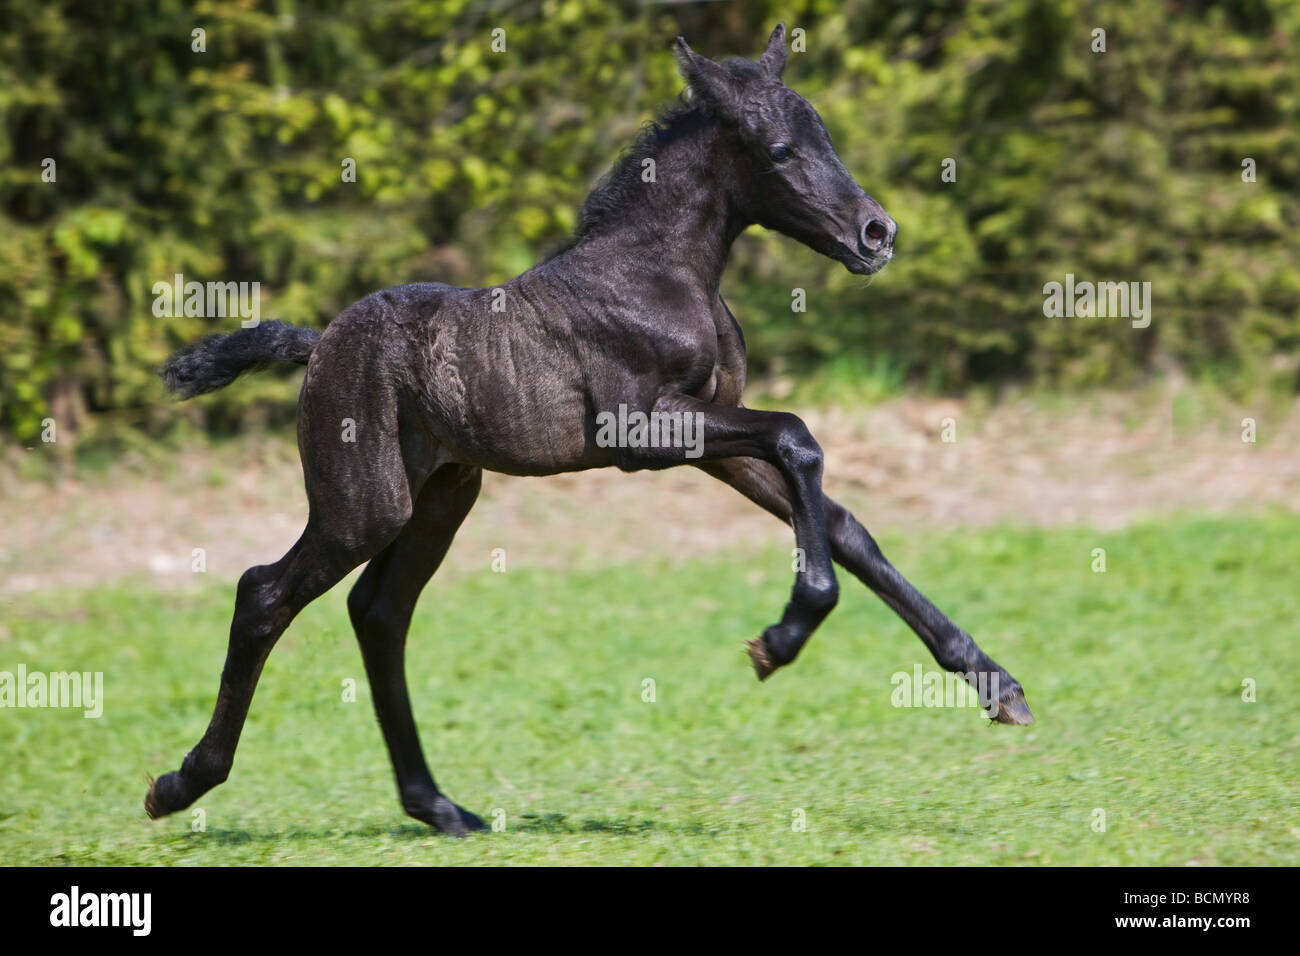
850,380
528,687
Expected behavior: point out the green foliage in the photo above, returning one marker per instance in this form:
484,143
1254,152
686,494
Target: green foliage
226,165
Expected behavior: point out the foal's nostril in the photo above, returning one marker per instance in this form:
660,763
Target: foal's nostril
876,234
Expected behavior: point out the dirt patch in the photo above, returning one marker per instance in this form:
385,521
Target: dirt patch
1104,462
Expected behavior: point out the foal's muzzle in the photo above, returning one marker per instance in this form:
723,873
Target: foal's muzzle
877,235
861,236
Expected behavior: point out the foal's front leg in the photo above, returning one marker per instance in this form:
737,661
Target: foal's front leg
784,441
855,549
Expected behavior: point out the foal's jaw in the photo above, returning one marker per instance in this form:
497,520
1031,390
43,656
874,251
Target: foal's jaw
861,265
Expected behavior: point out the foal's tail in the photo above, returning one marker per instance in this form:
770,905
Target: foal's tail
217,360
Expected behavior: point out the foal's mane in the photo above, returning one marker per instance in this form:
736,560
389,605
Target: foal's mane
621,185
616,189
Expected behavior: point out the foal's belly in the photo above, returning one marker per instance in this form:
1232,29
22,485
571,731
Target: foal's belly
499,396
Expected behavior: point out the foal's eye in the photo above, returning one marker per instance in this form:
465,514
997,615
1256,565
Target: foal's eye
779,152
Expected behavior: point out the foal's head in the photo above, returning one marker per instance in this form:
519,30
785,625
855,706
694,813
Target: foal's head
789,176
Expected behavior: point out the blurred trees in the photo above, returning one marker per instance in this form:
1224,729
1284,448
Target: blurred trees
227,165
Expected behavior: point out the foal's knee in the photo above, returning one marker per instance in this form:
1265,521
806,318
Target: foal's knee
798,450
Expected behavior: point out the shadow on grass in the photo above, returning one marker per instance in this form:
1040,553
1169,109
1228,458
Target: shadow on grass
375,831
549,823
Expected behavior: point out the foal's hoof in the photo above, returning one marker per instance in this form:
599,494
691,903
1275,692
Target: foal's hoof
1012,708
449,818
757,651
776,647
151,808
164,795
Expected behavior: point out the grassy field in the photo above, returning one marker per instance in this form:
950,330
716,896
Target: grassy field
529,691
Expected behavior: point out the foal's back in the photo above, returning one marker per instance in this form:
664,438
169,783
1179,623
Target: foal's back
490,377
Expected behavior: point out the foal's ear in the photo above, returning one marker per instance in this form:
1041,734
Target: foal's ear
773,59
708,81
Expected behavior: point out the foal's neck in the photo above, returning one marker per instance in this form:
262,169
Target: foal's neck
682,223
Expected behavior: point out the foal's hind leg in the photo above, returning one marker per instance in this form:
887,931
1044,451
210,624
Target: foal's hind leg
359,496
268,598
380,606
